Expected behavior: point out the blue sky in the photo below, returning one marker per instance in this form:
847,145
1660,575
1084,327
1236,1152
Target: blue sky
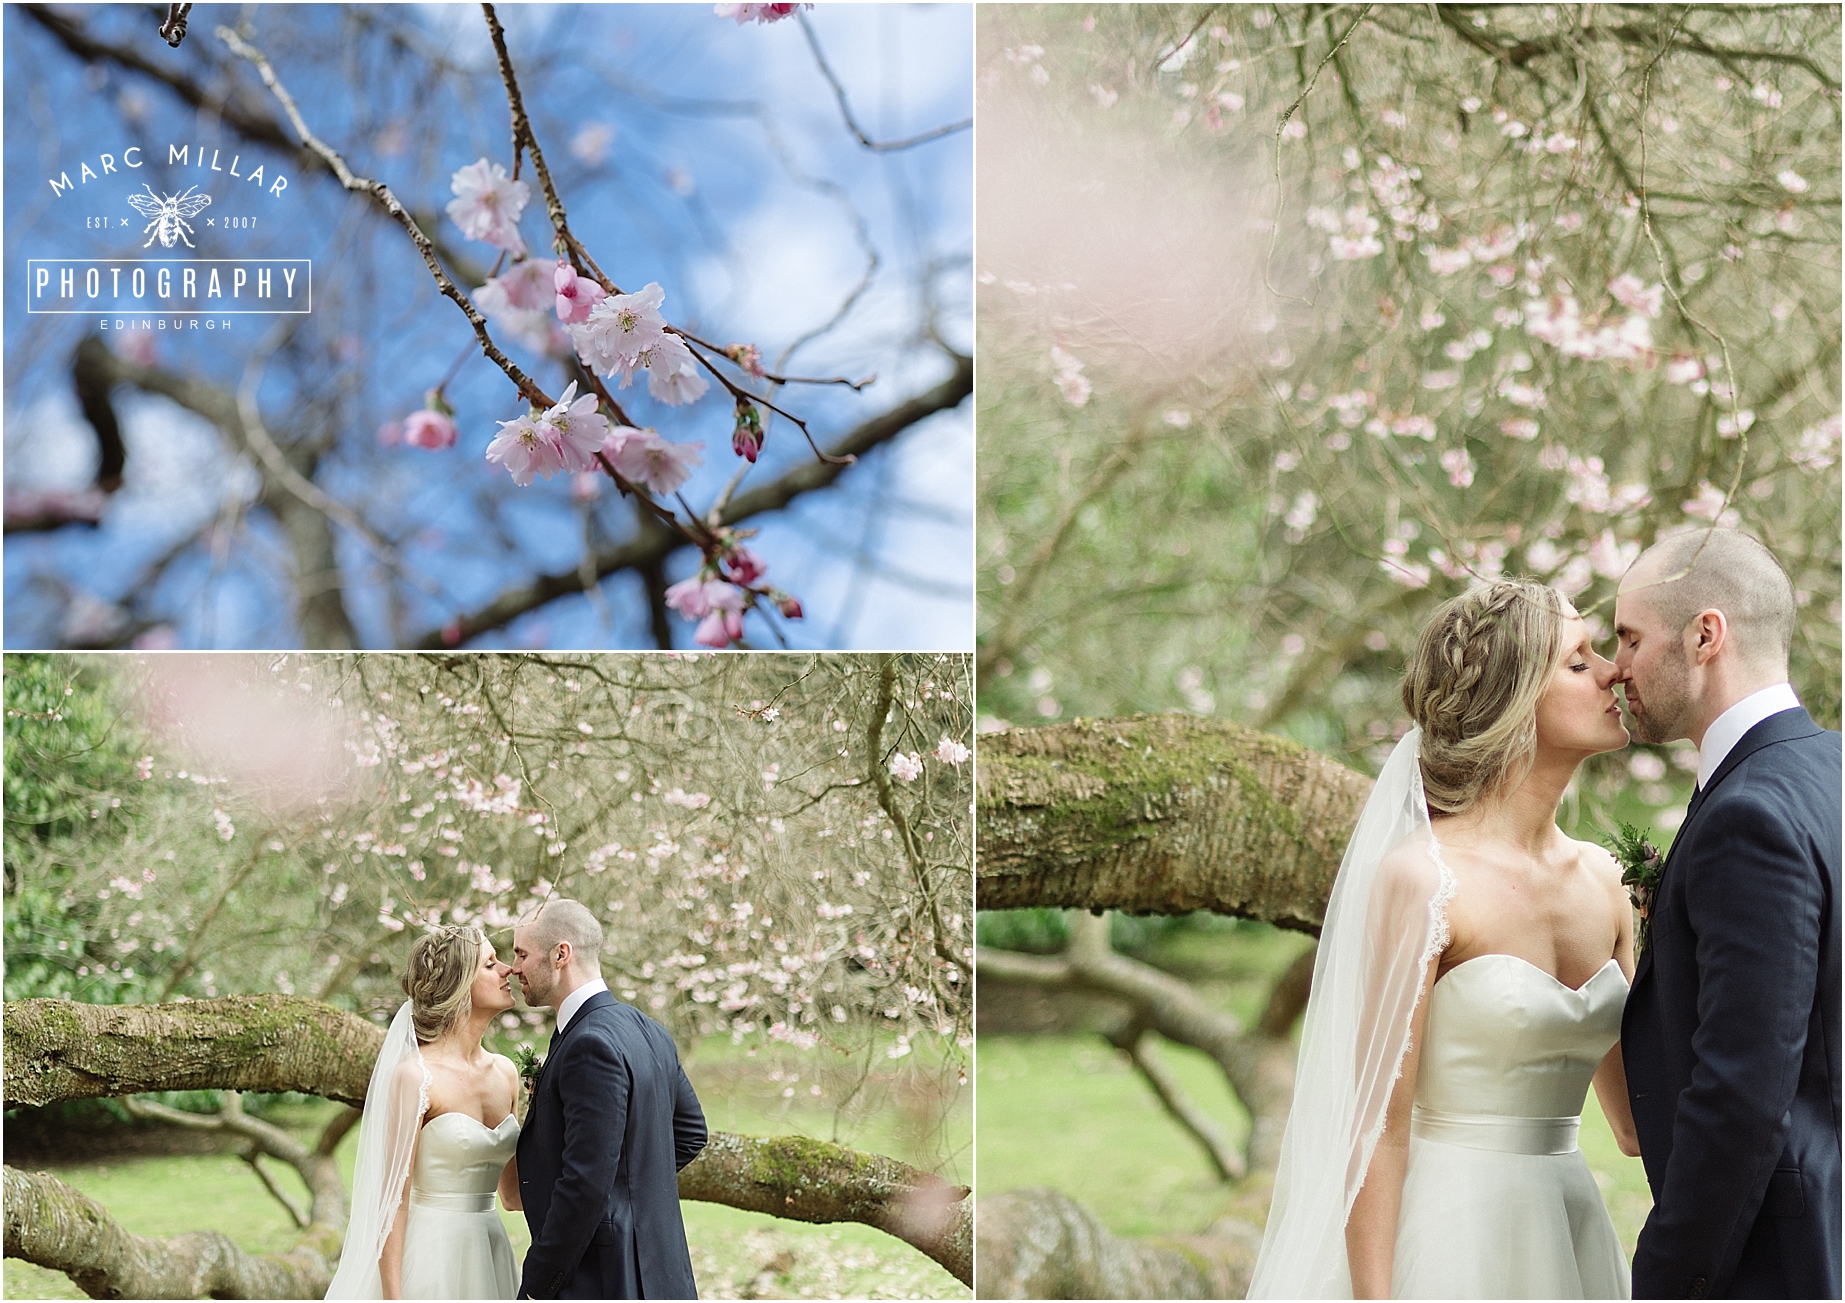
709,157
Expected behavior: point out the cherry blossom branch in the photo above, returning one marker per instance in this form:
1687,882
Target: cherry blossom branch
655,544
854,385
382,194
845,109
1281,125
743,395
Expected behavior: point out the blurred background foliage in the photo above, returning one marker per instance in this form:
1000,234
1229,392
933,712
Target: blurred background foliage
1296,320
182,827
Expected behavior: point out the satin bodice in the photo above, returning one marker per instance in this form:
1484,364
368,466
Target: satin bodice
1506,1039
459,1160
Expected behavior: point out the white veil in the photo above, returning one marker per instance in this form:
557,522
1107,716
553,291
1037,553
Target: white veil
394,1106
1380,932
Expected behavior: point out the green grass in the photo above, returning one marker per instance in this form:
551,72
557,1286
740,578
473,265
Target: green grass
916,1114
1070,1112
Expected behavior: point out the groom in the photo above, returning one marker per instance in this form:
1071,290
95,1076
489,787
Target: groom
1731,1033
612,1120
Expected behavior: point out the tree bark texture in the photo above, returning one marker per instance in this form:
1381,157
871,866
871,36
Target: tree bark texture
816,1181
59,1049
1043,1244
49,1223
1162,814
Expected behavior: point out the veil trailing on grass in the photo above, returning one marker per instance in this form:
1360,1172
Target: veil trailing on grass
395,1101
1384,922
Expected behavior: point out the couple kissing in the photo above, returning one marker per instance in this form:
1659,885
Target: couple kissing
594,1168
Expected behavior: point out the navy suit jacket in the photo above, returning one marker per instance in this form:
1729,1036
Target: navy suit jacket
612,1121
1731,1032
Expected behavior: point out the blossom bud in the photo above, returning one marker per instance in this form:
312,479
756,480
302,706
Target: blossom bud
746,440
790,606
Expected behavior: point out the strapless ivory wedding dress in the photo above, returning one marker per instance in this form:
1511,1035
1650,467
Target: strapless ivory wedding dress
454,1243
1498,1201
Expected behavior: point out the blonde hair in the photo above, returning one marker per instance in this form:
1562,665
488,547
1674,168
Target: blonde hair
1473,684
439,979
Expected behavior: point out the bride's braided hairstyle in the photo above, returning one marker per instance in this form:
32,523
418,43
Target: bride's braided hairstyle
1473,684
441,971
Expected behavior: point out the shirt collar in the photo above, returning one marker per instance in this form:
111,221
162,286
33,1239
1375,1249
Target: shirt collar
576,1000
1728,728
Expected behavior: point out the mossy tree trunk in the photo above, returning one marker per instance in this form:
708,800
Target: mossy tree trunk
1162,814
58,1049
1156,815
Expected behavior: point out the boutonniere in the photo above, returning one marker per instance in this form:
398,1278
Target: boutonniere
1641,864
530,1064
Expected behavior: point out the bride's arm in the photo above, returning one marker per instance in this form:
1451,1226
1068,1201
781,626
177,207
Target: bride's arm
409,1085
1611,1077
509,1186
1371,1230
509,1175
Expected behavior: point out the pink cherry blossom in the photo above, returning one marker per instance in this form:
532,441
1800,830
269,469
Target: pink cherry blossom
906,768
744,566
719,629
585,486
688,597
577,429
672,373
575,295
643,457
519,303
790,606
1683,370
428,428
526,449
1519,427
1611,558
487,205
1459,467
951,752
758,13
1630,293
1818,447
1068,373
619,330
747,356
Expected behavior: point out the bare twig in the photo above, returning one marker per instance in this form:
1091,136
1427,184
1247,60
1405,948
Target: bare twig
845,109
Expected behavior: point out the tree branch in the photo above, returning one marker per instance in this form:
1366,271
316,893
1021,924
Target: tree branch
55,1226
645,548
1161,814
817,1181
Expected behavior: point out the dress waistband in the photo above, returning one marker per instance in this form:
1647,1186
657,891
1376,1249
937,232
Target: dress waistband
454,1203
1507,1135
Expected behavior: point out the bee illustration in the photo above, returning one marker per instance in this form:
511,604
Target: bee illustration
169,214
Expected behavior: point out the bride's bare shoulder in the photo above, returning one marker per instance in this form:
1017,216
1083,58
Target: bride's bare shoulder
1412,865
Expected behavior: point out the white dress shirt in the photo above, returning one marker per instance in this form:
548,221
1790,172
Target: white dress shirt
1727,729
576,1000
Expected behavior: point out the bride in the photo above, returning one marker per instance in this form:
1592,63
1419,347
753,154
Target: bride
437,1138
1468,989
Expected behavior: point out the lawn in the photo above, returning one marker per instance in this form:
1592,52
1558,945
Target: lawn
917,1115
1071,1113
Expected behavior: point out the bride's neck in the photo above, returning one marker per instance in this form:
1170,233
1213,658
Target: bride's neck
1526,815
463,1039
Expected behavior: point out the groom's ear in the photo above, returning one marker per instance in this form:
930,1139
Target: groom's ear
1708,631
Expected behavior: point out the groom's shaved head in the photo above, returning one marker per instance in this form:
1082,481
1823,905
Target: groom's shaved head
1724,570
565,920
